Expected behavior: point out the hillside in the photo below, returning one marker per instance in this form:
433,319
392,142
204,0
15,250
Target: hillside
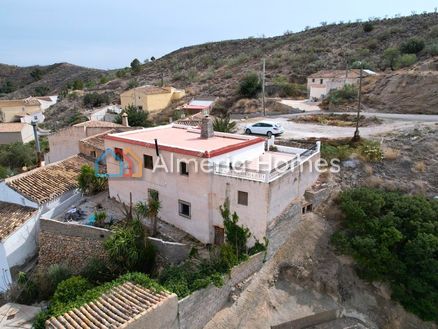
25,81
216,68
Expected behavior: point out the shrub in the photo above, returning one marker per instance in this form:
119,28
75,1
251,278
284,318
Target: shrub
135,65
342,96
89,183
371,150
127,248
250,86
77,85
100,217
132,84
406,60
368,27
391,56
136,117
97,271
41,91
224,125
96,100
393,238
236,236
70,289
287,89
432,49
412,46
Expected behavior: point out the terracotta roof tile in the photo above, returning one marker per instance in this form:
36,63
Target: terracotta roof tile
97,124
97,141
112,310
12,216
49,182
12,127
151,90
336,74
19,102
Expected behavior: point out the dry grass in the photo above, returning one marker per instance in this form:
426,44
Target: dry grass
379,182
390,153
420,166
368,169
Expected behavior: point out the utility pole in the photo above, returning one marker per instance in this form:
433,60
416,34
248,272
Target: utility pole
263,87
37,142
356,136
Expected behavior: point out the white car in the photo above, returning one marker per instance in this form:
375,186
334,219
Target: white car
267,128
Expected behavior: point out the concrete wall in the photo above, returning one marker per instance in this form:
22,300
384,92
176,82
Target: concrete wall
161,316
173,252
11,196
318,90
200,307
5,273
10,113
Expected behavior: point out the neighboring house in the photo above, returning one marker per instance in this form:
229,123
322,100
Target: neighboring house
190,197
150,98
47,101
321,83
94,146
18,238
65,142
12,132
27,196
199,105
128,306
28,118
106,113
13,110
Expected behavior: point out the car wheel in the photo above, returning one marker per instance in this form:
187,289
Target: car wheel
269,134
248,131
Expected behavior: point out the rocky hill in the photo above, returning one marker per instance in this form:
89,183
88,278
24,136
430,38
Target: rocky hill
216,68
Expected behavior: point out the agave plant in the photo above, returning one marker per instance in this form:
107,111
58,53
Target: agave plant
224,125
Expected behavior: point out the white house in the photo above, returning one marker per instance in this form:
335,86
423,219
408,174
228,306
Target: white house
11,132
321,83
24,199
195,171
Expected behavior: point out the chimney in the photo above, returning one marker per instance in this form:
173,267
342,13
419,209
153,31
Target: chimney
206,127
125,119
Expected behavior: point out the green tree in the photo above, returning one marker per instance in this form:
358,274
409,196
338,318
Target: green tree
36,74
136,117
391,56
224,125
136,66
7,87
412,46
41,91
89,183
250,86
368,27
96,100
77,85
17,155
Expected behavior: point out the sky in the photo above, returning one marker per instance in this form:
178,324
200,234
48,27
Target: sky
108,34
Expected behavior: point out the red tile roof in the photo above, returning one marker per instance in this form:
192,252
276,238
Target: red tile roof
12,216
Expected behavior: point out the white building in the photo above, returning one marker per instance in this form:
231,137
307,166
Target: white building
321,83
24,199
258,184
12,132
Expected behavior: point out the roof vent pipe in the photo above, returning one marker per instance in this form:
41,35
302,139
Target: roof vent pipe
206,127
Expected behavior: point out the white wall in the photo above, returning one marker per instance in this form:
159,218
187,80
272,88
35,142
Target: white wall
9,195
5,274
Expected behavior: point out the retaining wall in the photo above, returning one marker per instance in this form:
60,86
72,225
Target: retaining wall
173,252
197,309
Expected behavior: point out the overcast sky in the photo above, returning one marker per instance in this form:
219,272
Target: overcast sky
110,33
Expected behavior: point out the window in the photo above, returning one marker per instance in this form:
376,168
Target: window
140,108
321,81
93,154
119,153
242,198
313,80
148,161
183,170
184,209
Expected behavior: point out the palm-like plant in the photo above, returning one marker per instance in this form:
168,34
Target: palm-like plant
224,125
150,209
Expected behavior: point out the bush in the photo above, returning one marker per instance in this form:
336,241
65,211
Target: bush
88,181
96,100
412,46
368,27
70,289
393,238
97,271
236,236
136,65
17,155
224,125
391,56
41,91
406,60
342,96
250,86
287,89
136,117
128,248
372,151
432,49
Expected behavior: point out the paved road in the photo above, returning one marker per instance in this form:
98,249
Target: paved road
391,122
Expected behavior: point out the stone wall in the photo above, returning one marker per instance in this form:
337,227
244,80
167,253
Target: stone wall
200,307
316,197
69,244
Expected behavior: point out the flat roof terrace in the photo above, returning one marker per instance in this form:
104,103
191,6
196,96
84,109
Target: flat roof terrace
186,140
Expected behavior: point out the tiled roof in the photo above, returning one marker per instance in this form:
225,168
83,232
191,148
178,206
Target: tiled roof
151,90
97,141
113,310
97,124
12,216
19,102
12,127
355,73
49,182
